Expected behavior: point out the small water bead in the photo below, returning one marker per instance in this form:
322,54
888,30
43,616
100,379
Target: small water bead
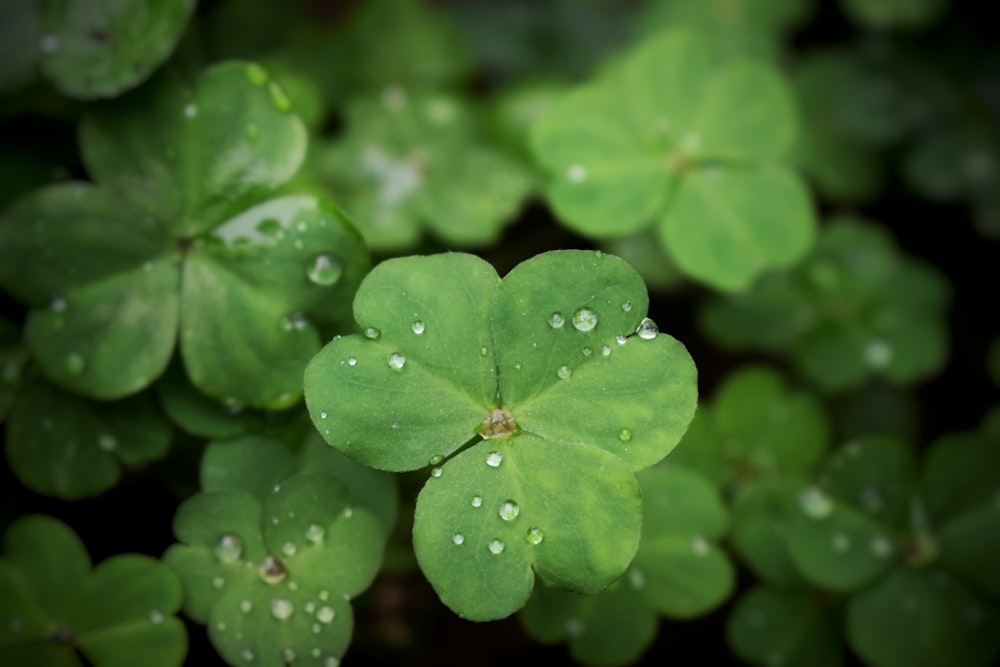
435,472
509,510
625,434
647,329
295,322
57,305
272,570
556,320
815,504
534,536
396,361
331,661
288,655
348,512
324,270
878,354
584,319
881,546
436,460
293,586
220,626
352,361
75,363
309,607
621,339
417,327
563,372
281,609
218,582
483,351
841,542
494,459
316,628
323,415
496,547
627,306
247,654
606,351
325,614
190,111
636,578
477,501
107,442
155,616
517,365
229,548
576,173
288,549
587,352
315,533
372,333
246,606
700,546
458,538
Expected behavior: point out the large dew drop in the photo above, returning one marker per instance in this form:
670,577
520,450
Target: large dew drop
534,536
325,614
647,329
324,270
496,546
281,609
509,510
229,548
563,372
494,459
396,361
272,570
556,320
584,319
815,504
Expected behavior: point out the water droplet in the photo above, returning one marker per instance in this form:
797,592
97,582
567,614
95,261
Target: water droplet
278,96
272,570
563,372
509,510
190,110
647,329
220,626
246,606
293,586
315,533
352,361
252,131
458,538
57,305
477,501
494,459
534,536
587,352
556,320
576,173
815,504
881,546
626,306
417,327
247,654
107,442
625,434
288,655
155,616
218,582
636,578
606,351
436,460
584,319
229,548
289,549
324,595
878,354
331,661
435,472
621,339
841,542
48,44
323,415
325,614
324,270
483,351
316,628
75,363
256,74
281,609
517,365
396,360
295,322
496,546
372,333
700,546
574,627
348,512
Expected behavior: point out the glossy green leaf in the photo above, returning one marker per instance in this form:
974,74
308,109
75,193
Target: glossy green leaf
102,48
773,627
120,612
62,445
559,330
924,618
273,580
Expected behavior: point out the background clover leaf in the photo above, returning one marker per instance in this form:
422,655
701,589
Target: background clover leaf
660,138
54,605
62,445
273,578
486,363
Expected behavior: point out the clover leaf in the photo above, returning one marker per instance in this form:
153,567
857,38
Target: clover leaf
92,49
13,359
888,14
544,391
755,428
173,242
421,165
677,572
53,605
273,578
678,136
62,445
856,308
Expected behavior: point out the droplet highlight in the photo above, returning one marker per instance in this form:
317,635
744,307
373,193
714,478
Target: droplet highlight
281,609
229,548
534,536
494,459
584,319
496,547
324,270
509,510
396,361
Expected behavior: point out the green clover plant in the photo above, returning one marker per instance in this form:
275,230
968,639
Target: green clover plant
409,161
677,572
533,398
54,607
680,139
88,50
173,245
857,308
13,359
